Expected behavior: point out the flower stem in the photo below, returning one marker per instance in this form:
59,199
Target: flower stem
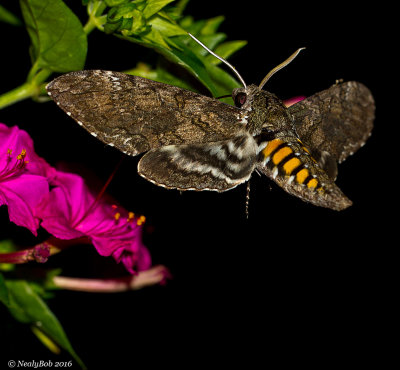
89,26
22,92
29,89
96,19
155,275
40,252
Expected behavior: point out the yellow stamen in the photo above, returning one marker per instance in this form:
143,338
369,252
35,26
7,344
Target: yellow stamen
21,156
141,220
131,216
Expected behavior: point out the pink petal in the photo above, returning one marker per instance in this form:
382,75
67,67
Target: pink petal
22,194
62,208
292,101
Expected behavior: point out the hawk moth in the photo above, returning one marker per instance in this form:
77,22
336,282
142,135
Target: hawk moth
194,142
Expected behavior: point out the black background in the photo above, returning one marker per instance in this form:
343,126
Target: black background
294,282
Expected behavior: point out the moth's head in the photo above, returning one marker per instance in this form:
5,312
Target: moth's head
243,96
266,112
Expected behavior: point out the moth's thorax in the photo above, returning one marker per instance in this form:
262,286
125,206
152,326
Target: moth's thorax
264,111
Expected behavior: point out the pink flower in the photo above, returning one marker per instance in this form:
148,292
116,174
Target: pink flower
23,179
292,101
71,211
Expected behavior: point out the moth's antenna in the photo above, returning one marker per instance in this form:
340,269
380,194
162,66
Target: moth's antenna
279,67
221,59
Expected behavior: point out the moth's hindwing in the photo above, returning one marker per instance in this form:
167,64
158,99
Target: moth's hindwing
135,114
337,120
290,164
216,166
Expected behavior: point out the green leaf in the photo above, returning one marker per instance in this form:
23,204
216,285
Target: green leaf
178,8
4,291
170,39
211,41
188,60
115,2
127,18
165,27
211,25
7,246
8,17
154,39
46,340
27,307
225,50
154,6
223,80
58,40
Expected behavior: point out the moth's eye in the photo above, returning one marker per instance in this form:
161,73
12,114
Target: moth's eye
240,99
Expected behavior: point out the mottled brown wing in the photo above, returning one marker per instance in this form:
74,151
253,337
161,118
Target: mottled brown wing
337,120
135,114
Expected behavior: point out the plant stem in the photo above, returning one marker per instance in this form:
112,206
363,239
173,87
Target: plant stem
89,26
42,251
22,92
29,89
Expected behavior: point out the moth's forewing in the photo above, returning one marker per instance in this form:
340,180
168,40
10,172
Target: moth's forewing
218,166
135,114
337,120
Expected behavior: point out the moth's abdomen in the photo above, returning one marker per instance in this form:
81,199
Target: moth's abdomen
288,162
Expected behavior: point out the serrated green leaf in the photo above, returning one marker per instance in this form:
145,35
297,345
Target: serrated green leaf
172,42
166,28
223,80
4,291
127,19
115,2
58,40
143,70
178,8
225,50
188,60
211,41
154,39
27,307
8,17
195,27
186,22
154,6
211,25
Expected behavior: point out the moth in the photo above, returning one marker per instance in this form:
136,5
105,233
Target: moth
194,142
